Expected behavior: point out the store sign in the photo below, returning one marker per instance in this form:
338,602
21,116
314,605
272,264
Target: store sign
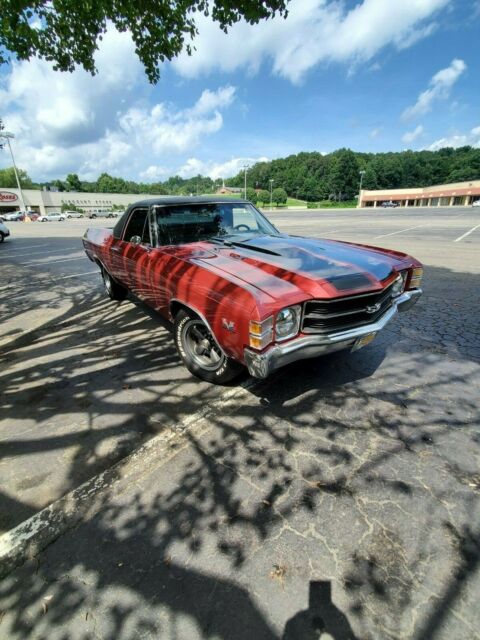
8,196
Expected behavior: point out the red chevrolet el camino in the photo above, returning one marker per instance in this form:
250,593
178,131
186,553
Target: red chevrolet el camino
240,293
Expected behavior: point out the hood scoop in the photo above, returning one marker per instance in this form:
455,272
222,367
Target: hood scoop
253,247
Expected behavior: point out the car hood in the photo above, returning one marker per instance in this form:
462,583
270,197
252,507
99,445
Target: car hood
293,268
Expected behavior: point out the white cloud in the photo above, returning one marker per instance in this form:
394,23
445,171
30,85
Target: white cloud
165,130
315,31
374,133
411,136
154,172
471,138
214,170
439,89
75,122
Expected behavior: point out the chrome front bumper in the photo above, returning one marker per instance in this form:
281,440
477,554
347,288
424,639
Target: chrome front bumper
261,365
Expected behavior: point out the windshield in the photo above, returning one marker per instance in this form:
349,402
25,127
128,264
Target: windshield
181,224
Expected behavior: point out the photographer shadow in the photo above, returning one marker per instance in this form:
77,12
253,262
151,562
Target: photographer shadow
321,620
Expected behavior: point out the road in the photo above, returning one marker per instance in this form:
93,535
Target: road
350,482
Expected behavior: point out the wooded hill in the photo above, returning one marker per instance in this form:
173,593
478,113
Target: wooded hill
307,176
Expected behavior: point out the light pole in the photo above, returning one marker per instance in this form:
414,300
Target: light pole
271,193
8,136
245,167
362,173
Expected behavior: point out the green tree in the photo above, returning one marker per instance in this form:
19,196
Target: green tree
252,195
8,179
263,196
68,32
73,183
369,178
279,196
344,178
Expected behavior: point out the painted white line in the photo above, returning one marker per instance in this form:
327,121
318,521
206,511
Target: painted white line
31,246
467,233
79,275
33,253
47,262
394,233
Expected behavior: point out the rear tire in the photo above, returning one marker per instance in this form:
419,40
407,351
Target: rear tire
200,352
114,290
2,237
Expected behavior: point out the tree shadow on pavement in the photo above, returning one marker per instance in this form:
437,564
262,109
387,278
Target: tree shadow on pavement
350,483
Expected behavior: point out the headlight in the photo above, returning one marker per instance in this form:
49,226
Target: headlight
416,278
398,286
287,322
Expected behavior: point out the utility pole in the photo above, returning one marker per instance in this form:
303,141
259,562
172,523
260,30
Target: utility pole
362,173
8,136
245,167
271,193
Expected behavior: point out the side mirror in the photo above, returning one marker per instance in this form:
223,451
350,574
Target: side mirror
135,239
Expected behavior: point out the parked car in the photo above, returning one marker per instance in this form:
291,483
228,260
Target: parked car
4,232
240,293
476,203
73,214
51,217
33,216
12,217
104,214
390,203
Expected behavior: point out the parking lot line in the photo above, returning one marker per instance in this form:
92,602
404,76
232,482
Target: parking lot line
394,233
32,246
32,253
467,233
48,262
78,275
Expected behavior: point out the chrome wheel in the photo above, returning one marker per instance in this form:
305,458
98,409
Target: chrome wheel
201,346
107,282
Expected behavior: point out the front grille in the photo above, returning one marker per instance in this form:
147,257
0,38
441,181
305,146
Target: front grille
341,314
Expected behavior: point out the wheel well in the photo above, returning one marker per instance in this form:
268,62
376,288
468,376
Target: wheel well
176,306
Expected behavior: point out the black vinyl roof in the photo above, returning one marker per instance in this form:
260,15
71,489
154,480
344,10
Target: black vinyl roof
168,200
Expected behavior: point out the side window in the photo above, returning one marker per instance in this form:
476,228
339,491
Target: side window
138,226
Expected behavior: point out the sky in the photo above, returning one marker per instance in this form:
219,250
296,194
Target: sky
371,75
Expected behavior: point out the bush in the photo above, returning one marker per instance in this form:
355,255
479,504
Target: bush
279,196
263,197
252,195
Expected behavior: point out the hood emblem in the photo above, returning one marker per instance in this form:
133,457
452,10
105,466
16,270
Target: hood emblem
228,325
373,308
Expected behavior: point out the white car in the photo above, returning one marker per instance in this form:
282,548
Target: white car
52,217
476,203
104,214
4,232
73,214
12,216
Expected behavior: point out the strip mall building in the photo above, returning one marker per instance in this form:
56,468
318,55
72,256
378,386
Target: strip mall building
443,195
51,201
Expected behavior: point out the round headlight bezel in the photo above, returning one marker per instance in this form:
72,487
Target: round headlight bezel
288,327
398,286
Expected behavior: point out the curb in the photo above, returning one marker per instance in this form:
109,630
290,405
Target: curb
29,538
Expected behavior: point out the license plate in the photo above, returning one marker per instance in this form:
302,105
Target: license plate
364,340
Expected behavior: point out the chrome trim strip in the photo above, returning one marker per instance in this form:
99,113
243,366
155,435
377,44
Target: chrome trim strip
260,365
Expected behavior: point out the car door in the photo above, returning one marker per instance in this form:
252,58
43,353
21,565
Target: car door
135,250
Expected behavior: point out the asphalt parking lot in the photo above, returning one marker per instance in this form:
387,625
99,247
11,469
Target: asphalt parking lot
340,494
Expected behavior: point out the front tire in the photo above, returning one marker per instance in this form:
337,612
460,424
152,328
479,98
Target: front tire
114,290
200,352
2,237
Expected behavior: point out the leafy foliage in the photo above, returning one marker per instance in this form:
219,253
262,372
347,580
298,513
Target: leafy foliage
279,196
68,32
264,196
7,178
252,195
